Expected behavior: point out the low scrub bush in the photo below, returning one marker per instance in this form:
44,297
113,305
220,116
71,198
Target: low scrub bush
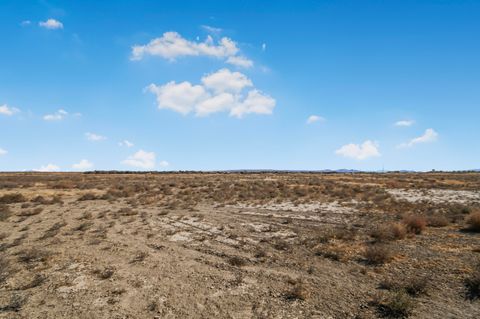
415,224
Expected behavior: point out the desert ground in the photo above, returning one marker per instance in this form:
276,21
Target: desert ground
233,245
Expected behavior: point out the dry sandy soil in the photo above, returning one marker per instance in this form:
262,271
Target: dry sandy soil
239,245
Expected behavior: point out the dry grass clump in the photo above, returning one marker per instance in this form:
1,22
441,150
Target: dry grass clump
53,230
397,305
473,221
5,212
4,269
31,256
437,221
415,224
12,198
472,284
414,286
88,196
104,273
237,261
33,212
298,291
388,232
378,254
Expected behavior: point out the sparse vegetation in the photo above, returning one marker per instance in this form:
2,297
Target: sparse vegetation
378,254
473,221
415,224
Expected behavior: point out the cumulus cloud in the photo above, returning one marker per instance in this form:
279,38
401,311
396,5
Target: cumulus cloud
163,164
48,168
429,136
315,118
359,151
57,116
225,80
94,137
51,24
2,151
83,165
404,123
181,97
171,45
220,91
126,143
7,110
141,159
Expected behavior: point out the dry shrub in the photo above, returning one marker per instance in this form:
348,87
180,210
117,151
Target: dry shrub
104,273
12,198
415,224
4,269
414,286
237,261
388,232
473,221
378,254
31,256
52,231
438,221
5,212
88,196
397,305
33,212
298,291
472,284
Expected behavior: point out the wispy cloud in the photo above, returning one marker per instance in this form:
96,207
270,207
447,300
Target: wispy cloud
359,151
315,118
125,143
212,30
405,123
94,137
51,24
7,110
57,116
3,152
428,137
48,168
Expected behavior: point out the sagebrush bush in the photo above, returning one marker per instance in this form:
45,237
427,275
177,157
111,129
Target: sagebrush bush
378,254
473,221
415,224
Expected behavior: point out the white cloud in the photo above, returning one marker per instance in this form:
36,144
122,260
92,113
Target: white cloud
429,136
57,116
226,81
163,164
83,165
3,152
264,46
25,23
359,151
404,123
126,143
94,137
240,61
141,159
48,168
51,24
171,45
255,102
315,118
7,110
211,29
181,97
217,103
219,91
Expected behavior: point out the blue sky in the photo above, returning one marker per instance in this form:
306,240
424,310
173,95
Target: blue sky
206,85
